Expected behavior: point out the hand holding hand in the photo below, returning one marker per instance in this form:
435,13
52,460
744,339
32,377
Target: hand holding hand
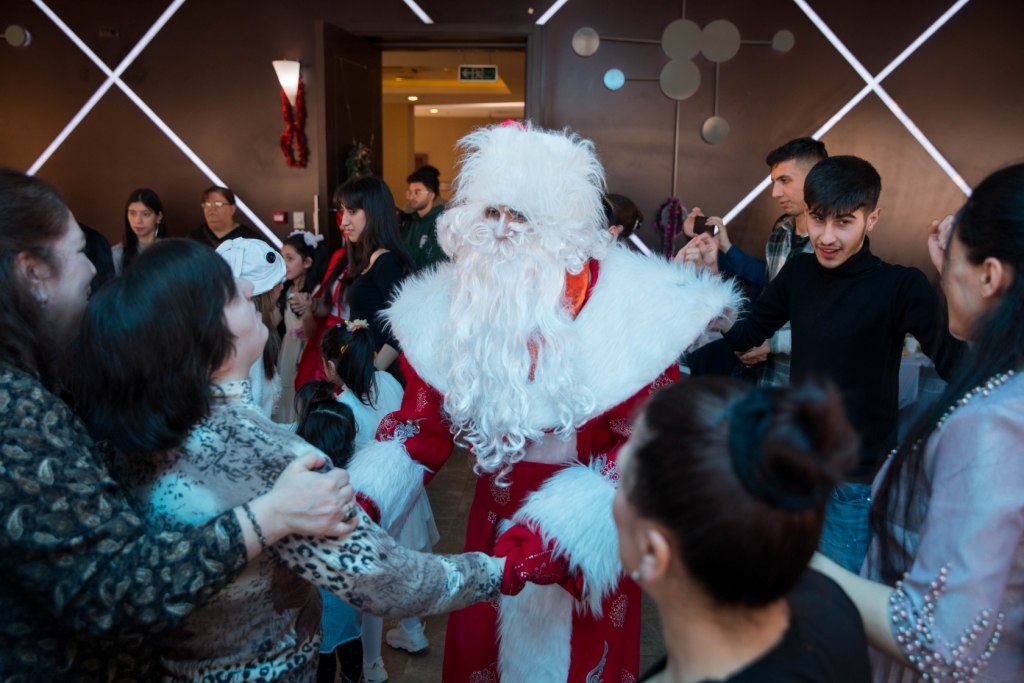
310,503
758,354
530,559
938,240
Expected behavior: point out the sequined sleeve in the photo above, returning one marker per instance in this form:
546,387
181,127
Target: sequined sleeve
372,572
72,549
946,614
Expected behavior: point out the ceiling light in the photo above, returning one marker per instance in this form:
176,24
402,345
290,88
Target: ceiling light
433,110
412,98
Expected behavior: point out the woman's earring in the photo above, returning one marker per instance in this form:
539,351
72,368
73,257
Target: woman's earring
635,575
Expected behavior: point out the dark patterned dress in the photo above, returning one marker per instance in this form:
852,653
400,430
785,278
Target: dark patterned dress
265,624
82,576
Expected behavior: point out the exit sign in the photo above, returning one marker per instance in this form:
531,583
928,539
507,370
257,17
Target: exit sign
487,73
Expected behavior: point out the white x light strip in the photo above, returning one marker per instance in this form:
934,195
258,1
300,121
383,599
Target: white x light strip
872,84
418,11
114,78
544,18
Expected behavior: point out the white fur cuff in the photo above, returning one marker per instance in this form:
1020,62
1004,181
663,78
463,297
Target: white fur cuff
384,472
574,509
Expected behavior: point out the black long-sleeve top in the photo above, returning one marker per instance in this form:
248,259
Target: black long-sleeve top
848,326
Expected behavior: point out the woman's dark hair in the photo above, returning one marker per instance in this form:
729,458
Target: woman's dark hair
352,353
33,216
149,343
990,224
331,427
738,535
381,232
152,202
225,192
620,210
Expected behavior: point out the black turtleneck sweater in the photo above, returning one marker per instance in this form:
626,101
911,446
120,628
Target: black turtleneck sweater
848,326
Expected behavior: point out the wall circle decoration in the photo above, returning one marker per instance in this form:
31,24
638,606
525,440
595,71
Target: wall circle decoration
714,130
679,79
783,41
614,79
681,39
720,40
585,41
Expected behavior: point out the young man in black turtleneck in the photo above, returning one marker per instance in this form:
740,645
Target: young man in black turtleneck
849,312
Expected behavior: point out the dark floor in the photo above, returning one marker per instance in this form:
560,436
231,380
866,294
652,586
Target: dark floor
450,494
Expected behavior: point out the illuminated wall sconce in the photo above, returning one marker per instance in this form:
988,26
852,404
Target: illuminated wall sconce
293,110
17,36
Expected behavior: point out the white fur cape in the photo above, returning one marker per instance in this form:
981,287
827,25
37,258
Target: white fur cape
640,317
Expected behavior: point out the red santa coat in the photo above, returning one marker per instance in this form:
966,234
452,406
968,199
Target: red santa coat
640,316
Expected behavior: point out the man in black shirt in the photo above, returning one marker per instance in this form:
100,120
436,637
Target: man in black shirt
849,313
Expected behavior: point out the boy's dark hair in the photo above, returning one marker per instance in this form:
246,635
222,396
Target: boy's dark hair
838,186
807,150
429,176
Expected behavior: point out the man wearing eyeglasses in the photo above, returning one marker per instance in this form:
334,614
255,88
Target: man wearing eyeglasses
218,205
420,227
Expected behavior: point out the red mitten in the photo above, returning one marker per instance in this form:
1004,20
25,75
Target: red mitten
530,559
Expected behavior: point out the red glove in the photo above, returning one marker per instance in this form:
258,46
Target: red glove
530,559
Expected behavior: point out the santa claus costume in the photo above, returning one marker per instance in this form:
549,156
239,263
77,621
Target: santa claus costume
534,347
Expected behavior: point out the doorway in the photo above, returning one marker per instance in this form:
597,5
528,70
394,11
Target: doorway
431,97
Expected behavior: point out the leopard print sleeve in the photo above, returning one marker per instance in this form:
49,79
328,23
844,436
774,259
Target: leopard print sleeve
372,572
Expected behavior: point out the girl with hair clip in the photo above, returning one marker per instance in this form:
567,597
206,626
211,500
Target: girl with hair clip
720,505
942,589
348,355
301,259
377,258
190,443
143,225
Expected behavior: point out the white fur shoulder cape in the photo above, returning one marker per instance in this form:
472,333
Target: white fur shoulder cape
640,317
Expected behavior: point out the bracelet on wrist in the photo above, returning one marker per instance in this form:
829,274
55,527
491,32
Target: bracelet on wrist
255,525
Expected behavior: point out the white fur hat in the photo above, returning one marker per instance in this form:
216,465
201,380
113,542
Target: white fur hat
255,261
552,177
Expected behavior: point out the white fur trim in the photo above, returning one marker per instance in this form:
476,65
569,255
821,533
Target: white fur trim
642,315
574,509
384,472
535,631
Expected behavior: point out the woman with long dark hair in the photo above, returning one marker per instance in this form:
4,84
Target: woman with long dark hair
172,423
84,580
943,590
144,224
377,257
720,506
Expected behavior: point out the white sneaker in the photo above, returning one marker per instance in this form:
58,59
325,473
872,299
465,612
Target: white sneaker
374,672
412,641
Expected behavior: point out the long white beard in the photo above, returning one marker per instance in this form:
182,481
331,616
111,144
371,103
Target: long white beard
509,293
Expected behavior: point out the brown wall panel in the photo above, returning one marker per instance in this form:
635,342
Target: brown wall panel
208,75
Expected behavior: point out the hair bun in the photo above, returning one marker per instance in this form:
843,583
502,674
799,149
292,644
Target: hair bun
790,446
809,443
